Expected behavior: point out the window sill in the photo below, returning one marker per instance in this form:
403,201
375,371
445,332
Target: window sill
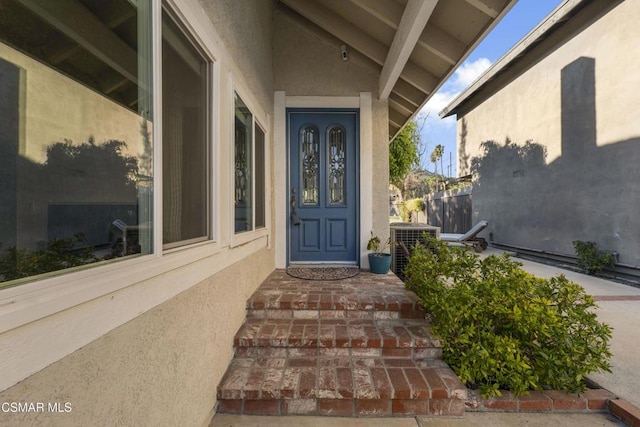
30,302
245,237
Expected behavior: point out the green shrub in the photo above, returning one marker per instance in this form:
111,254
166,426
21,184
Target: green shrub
415,205
503,328
405,214
591,259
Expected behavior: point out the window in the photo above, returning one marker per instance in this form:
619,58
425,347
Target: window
75,135
185,135
249,167
260,179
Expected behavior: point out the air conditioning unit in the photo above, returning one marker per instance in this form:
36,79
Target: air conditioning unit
409,234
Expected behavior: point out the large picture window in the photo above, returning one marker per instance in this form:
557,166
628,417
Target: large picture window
185,136
249,167
75,135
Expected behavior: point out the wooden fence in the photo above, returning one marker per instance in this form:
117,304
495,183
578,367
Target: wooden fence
450,210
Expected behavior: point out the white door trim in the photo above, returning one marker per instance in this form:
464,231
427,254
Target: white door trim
281,103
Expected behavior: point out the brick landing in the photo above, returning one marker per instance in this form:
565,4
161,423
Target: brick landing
354,347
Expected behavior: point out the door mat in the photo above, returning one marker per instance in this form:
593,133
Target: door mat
323,273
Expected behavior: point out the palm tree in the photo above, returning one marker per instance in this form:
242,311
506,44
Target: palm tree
437,153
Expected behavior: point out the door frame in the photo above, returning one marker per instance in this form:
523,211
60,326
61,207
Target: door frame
281,172
355,112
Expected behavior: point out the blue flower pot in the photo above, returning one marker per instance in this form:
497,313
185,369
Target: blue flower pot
379,264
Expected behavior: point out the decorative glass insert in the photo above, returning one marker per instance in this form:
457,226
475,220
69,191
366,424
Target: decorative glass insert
336,152
243,156
309,159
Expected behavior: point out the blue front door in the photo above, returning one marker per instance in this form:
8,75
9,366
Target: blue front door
323,164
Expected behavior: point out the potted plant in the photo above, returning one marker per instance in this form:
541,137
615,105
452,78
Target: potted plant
379,260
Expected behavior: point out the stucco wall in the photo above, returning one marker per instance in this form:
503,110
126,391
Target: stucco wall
574,97
307,65
160,369
246,28
380,178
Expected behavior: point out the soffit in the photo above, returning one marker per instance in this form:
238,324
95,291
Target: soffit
414,45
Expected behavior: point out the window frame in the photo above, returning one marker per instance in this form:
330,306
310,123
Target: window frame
259,118
210,133
45,296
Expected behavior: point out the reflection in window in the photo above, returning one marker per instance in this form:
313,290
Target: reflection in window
75,142
261,178
243,167
185,173
309,159
336,152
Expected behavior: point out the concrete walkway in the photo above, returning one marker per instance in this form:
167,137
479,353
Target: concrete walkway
618,306
470,419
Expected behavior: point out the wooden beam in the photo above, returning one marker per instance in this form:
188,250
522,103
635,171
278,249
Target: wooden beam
112,83
340,28
442,44
396,117
409,93
414,20
491,8
62,49
359,40
321,33
393,131
389,12
433,39
83,27
401,104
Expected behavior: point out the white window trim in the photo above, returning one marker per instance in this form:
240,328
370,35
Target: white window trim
281,171
260,118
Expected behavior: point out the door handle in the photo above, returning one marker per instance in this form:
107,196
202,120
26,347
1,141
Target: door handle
294,214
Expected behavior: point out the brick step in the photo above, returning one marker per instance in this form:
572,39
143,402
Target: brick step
340,386
370,296
401,336
417,313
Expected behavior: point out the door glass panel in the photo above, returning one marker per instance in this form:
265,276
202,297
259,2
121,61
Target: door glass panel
336,166
309,160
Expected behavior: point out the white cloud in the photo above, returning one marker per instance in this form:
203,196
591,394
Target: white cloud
468,72
443,131
434,106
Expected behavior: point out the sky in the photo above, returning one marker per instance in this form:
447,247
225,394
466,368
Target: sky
521,19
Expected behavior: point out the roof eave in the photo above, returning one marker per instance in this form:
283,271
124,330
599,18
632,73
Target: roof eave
541,31
468,52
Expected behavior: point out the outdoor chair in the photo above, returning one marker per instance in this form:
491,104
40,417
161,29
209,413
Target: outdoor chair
469,238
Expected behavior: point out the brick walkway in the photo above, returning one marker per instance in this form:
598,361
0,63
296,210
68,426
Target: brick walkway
354,347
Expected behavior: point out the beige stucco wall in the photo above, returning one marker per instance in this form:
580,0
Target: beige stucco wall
529,106
246,28
160,369
307,65
575,94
